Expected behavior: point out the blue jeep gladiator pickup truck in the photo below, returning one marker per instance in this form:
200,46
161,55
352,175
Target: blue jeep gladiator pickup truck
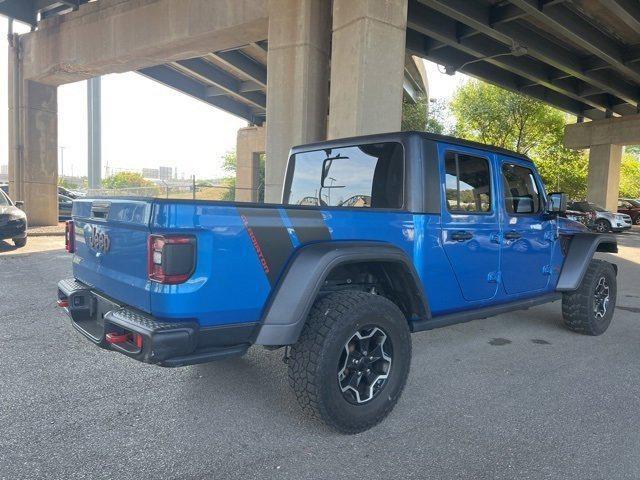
376,237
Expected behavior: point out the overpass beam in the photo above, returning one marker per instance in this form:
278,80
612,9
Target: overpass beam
367,65
33,144
297,82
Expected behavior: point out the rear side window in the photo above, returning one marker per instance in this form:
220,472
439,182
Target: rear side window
364,176
468,183
520,189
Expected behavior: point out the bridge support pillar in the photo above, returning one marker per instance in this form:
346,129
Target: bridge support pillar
33,144
249,147
367,67
603,183
297,82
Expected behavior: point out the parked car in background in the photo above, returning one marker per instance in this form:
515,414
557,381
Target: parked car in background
581,217
602,219
631,207
65,204
13,221
72,194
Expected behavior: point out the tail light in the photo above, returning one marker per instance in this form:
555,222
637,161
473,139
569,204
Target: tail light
172,259
70,237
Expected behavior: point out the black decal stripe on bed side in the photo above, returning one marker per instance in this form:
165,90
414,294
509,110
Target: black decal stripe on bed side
269,237
309,225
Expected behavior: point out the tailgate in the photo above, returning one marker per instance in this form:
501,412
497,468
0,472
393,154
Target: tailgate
111,248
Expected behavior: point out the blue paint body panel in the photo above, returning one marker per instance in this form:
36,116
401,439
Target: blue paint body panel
242,249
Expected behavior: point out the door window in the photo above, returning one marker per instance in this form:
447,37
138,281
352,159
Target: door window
520,190
468,183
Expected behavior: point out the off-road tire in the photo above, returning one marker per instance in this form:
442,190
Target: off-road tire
20,242
602,226
578,306
314,359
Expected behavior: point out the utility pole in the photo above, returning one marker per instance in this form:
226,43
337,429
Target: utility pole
62,161
94,130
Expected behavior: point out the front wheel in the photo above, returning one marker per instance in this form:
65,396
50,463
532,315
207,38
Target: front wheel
590,308
352,360
636,221
602,226
20,242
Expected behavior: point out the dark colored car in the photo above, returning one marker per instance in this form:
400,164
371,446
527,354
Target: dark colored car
65,204
630,207
13,221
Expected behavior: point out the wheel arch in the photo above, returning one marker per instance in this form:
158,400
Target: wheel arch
309,268
579,253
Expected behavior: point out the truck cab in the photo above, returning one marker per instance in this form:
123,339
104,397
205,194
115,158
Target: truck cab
376,237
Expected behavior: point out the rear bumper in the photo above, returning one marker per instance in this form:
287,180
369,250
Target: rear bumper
145,338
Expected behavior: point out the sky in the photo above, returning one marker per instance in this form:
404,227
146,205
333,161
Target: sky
146,124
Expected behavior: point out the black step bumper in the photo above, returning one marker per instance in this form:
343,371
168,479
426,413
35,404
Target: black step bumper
118,327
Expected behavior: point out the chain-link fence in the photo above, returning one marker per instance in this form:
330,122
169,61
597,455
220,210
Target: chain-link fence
197,192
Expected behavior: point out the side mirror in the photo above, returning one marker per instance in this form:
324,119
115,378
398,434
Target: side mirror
19,204
557,202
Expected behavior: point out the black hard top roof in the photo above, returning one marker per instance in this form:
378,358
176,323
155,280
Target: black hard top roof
399,137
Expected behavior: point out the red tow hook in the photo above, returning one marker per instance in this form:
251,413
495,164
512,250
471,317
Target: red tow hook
135,338
63,303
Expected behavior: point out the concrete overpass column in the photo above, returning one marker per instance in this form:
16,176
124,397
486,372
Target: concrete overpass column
367,66
250,145
297,82
603,184
33,144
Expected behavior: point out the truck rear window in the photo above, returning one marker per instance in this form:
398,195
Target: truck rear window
362,176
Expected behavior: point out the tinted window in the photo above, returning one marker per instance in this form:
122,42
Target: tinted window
520,189
359,176
468,181
4,201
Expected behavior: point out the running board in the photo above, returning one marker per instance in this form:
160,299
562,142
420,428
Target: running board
469,315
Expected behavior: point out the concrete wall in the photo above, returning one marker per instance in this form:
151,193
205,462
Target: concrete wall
250,144
367,66
297,83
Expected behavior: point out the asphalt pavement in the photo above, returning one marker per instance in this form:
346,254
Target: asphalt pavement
511,397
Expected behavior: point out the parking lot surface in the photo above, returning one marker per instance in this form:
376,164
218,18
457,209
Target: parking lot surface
515,396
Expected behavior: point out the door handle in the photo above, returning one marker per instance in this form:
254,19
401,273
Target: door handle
461,236
512,235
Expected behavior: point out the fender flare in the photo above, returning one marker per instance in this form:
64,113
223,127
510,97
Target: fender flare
581,249
299,285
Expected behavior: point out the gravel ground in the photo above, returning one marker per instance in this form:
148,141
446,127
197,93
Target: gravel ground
515,396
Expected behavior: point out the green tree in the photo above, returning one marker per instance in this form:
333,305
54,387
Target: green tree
422,115
630,176
126,180
494,116
230,166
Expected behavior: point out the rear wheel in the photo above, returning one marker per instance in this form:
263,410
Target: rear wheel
636,220
602,226
351,362
20,242
589,309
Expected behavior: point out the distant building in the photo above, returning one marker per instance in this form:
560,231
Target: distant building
165,173
151,173
4,173
160,173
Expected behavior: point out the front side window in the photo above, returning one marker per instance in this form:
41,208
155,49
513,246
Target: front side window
468,183
364,176
520,190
